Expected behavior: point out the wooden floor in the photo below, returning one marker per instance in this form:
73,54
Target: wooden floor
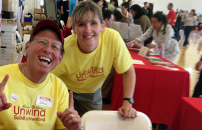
188,58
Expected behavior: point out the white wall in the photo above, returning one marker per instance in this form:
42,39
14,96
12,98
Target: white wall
161,5
31,4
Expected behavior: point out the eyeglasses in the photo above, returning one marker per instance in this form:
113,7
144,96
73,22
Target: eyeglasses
54,46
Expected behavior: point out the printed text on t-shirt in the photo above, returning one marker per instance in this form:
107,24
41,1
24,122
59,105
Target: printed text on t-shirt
92,72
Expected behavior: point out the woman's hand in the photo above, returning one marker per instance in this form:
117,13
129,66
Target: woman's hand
159,46
133,44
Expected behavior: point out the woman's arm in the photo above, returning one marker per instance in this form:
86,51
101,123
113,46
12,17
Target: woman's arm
169,33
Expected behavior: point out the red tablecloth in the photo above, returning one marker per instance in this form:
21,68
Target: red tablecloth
158,91
189,115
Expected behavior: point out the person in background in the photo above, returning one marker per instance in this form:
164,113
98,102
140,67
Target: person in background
199,22
129,5
178,21
108,17
145,7
198,87
190,22
112,4
141,18
124,10
171,15
64,10
30,96
107,86
118,17
104,5
72,4
162,34
150,10
122,3
92,51
99,3
177,11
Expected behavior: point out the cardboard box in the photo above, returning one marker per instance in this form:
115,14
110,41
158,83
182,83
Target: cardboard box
27,23
37,16
8,41
6,62
8,5
8,28
38,11
7,34
9,22
27,32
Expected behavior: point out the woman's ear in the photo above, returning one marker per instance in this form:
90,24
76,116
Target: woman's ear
103,27
73,28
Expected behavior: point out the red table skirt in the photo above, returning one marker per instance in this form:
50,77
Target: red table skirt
158,91
188,116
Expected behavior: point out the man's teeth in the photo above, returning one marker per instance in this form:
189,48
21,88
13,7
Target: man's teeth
44,63
44,58
88,36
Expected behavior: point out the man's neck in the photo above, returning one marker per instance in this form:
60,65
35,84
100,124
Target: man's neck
31,74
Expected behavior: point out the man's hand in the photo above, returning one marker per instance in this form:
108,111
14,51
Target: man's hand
3,100
127,111
70,118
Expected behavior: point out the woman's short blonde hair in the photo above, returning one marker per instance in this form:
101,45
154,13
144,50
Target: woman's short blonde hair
82,9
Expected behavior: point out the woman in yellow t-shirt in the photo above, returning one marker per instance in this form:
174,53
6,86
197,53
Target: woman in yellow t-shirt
30,96
90,54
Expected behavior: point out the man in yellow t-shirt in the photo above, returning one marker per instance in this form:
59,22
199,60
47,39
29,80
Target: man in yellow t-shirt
90,54
32,98
29,109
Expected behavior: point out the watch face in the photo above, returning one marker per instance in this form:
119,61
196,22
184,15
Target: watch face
131,100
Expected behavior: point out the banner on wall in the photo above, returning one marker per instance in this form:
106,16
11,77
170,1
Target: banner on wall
141,4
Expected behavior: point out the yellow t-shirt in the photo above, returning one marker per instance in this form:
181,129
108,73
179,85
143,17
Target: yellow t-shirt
26,113
85,73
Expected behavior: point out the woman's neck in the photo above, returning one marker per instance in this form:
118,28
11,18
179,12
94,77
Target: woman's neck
30,74
85,49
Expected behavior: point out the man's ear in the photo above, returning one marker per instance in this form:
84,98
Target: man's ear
60,59
103,27
26,48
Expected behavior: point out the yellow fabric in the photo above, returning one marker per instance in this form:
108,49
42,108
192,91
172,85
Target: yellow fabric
85,73
18,117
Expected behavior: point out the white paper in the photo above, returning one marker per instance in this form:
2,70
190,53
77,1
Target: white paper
123,30
135,31
139,62
115,26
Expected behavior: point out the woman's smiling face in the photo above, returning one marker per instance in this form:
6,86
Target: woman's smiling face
88,31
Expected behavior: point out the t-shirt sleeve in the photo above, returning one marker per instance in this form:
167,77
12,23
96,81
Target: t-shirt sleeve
122,58
63,103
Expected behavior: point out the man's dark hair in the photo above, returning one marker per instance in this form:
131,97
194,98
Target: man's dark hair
129,1
171,4
126,5
145,3
107,14
151,5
